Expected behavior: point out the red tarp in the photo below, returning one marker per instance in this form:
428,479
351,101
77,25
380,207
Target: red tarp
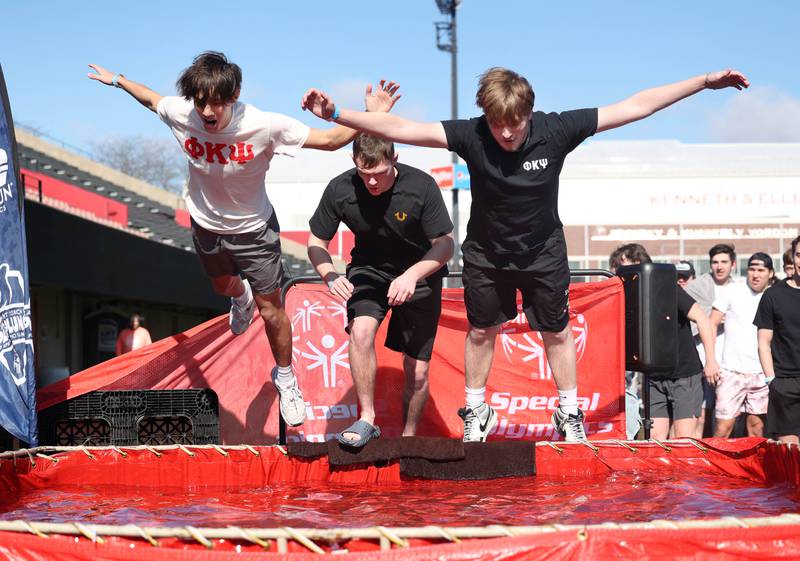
520,388
759,461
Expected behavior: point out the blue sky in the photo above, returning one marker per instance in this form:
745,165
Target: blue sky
575,53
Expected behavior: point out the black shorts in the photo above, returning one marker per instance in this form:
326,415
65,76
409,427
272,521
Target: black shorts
413,325
783,411
254,255
490,295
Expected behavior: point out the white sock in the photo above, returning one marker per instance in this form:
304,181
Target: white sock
244,298
475,397
285,376
568,401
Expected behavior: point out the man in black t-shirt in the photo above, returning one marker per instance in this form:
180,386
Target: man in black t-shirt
778,323
403,238
514,237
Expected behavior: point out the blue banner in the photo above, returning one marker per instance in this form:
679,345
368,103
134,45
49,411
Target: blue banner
460,177
17,379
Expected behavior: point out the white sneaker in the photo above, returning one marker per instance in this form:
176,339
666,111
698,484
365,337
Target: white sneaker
568,425
292,404
478,422
240,317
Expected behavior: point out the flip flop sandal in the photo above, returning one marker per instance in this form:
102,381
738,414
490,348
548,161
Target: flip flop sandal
365,432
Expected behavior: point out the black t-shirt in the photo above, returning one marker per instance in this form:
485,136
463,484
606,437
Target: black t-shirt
779,310
688,360
393,230
515,194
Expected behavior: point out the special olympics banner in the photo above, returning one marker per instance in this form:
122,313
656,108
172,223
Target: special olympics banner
17,380
520,388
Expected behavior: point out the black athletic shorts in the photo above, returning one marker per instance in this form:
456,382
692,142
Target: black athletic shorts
413,325
254,255
783,410
490,295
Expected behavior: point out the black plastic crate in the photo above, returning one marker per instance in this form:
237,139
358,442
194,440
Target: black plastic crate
132,417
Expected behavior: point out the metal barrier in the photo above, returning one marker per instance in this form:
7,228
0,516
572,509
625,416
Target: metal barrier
314,279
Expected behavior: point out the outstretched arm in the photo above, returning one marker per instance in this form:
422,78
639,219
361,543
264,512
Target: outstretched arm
647,102
380,101
385,125
140,93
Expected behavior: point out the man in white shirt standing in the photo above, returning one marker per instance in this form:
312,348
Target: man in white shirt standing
705,289
229,146
741,383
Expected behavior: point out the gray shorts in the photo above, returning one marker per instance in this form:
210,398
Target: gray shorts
254,255
679,398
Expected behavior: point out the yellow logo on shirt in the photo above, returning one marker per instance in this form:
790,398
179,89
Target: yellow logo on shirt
400,216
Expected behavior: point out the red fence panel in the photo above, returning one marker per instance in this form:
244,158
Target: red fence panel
520,386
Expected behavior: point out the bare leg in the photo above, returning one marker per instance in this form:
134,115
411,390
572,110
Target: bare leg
363,366
415,393
660,430
685,428
228,286
723,428
560,349
478,355
755,425
277,325
701,424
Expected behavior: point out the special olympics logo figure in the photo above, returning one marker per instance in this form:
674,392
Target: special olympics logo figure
328,362
535,347
305,314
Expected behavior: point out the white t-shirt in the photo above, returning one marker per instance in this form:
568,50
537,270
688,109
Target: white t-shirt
227,169
739,304
718,292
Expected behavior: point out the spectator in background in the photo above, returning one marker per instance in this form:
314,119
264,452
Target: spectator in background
133,337
778,323
630,254
627,254
705,289
788,264
615,259
686,275
741,384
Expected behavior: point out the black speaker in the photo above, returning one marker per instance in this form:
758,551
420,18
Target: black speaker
651,323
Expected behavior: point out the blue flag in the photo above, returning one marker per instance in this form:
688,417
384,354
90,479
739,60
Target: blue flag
17,379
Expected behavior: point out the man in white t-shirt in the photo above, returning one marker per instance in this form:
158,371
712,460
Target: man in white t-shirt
741,384
229,146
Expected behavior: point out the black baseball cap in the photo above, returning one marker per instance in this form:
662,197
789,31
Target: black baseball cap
684,269
765,259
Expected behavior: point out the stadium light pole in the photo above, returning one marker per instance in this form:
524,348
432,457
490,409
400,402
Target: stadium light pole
446,41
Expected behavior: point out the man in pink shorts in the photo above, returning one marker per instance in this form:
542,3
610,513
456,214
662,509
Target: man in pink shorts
740,384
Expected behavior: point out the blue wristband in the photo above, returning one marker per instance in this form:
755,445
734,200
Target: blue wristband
115,80
335,114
